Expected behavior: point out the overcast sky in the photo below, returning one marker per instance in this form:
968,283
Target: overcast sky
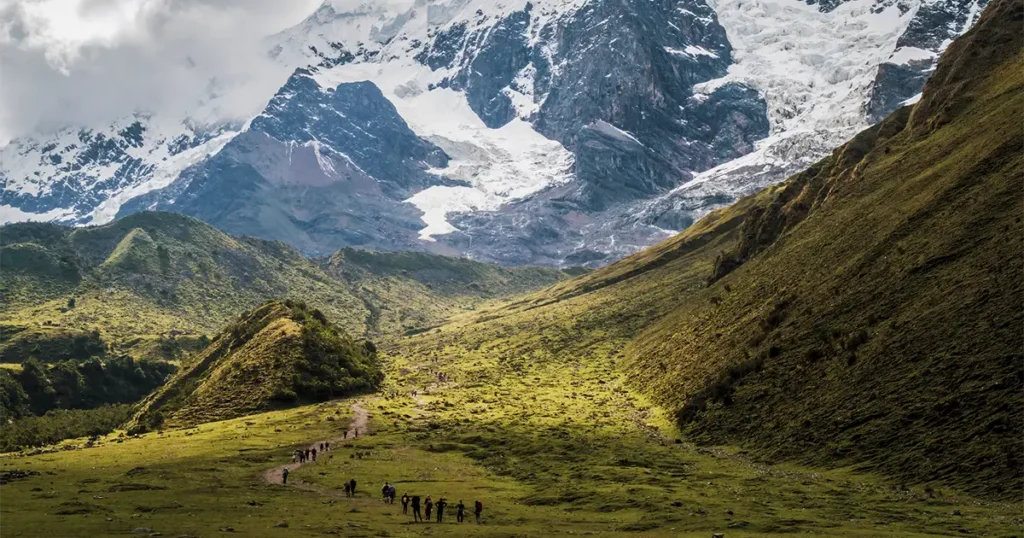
89,61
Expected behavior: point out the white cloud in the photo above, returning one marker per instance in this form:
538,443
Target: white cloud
86,62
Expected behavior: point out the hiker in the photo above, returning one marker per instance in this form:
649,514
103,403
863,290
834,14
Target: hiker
321,447
440,508
327,445
348,489
355,432
307,453
460,512
405,503
429,506
416,515
384,491
391,494
302,458
314,454
345,435
353,482
295,457
478,508
284,475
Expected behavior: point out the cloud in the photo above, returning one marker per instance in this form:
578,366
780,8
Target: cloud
87,62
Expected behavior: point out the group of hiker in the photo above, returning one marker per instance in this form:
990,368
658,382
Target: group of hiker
388,492
309,454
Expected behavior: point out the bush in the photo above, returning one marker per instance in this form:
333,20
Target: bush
60,424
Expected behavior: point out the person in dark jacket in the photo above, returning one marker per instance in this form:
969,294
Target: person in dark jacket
416,515
478,508
440,508
460,512
405,503
429,505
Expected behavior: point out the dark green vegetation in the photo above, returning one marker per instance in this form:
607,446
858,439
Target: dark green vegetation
60,424
865,313
38,388
282,353
151,284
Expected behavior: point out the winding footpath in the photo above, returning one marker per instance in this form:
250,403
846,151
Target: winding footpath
359,422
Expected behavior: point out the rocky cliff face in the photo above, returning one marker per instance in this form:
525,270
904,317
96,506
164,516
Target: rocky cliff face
545,131
320,168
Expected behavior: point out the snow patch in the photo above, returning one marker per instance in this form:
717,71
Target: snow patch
905,55
500,164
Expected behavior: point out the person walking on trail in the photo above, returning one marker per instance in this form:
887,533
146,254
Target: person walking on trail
429,505
384,491
460,512
440,509
392,491
307,453
405,503
314,454
478,508
348,489
327,445
344,435
353,484
284,476
416,515
321,447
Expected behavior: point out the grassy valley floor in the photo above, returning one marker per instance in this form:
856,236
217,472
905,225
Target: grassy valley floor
565,449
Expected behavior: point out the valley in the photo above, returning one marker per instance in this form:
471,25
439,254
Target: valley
837,354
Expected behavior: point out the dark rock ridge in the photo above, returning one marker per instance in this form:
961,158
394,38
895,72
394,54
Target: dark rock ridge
934,25
320,168
614,84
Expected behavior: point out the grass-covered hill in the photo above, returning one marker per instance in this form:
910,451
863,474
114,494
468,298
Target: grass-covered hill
153,283
280,354
866,312
411,291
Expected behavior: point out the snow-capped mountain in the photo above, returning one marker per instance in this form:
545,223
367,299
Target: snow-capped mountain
515,131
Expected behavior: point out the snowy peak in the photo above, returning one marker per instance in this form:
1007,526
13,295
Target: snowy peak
515,131
80,175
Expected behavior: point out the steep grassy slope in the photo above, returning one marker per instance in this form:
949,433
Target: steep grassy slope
872,312
865,312
141,278
280,354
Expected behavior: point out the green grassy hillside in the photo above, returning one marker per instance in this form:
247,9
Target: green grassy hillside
408,292
871,311
152,283
280,354
864,313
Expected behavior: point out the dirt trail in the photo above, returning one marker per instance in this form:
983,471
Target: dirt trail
358,425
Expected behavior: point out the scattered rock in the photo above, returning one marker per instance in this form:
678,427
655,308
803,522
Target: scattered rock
142,530
718,535
281,525
15,474
956,512
227,529
677,504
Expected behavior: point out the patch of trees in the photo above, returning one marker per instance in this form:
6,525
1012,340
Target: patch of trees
332,363
39,388
59,424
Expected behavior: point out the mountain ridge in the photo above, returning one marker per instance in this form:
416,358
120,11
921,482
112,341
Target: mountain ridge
861,314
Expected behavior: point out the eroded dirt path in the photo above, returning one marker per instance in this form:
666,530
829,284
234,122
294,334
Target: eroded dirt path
356,427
